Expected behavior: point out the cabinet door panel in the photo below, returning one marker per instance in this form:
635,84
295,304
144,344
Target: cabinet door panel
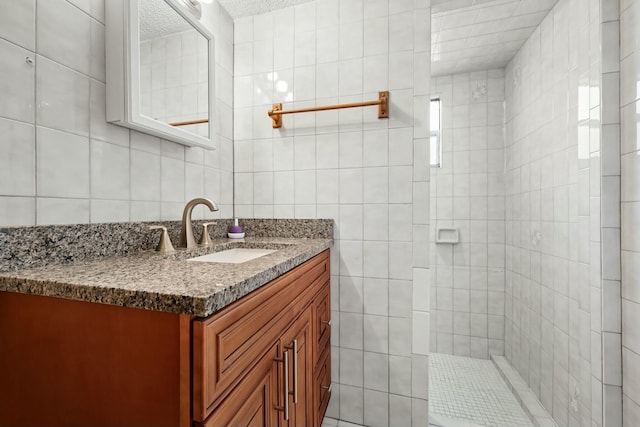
322,386
300,371
252,403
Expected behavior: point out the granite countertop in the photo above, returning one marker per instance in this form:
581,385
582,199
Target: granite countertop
169,283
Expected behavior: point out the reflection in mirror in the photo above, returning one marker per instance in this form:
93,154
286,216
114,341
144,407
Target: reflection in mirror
174,59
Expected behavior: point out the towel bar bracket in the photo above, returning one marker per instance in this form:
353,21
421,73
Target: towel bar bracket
276,118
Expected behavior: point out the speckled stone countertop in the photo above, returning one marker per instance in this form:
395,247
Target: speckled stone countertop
167,283
42,245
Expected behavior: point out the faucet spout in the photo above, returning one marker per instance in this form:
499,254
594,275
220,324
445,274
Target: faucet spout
186,233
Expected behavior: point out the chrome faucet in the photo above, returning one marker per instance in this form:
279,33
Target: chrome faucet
186,233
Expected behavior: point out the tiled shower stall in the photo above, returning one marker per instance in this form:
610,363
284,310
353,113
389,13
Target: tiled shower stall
467,193
541,260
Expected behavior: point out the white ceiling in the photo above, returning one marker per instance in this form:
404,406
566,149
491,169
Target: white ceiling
468,35
158,19
238,8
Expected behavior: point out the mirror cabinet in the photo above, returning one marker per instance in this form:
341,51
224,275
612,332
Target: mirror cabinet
160,71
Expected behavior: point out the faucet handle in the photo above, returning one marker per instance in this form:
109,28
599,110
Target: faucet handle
164,246
205,240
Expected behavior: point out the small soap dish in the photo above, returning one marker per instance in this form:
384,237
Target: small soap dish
447,235
235,235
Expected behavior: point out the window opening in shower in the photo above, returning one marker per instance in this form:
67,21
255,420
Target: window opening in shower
436,149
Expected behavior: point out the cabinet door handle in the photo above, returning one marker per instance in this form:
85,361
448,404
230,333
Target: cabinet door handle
285,408
294,347
286,385
324,387
327,322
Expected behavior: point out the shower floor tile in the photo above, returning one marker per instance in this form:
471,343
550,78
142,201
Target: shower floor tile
471,389
332,422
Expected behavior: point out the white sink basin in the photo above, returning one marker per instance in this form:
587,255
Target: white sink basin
233,256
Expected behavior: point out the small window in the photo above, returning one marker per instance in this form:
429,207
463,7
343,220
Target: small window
436,150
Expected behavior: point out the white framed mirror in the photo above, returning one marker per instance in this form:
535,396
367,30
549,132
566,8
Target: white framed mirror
160,71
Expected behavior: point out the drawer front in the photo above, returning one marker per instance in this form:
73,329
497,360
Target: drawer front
322,320
227,344
322,384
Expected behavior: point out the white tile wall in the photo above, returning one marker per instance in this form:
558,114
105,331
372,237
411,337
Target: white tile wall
19,26
54,149
610,171
470,181
630,131
562,234
18,91
17,165
60,162
350,166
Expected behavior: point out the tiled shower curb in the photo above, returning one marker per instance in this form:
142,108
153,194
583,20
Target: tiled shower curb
529,402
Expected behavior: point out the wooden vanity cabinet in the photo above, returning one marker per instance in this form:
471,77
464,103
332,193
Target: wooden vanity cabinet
88,364
255,362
